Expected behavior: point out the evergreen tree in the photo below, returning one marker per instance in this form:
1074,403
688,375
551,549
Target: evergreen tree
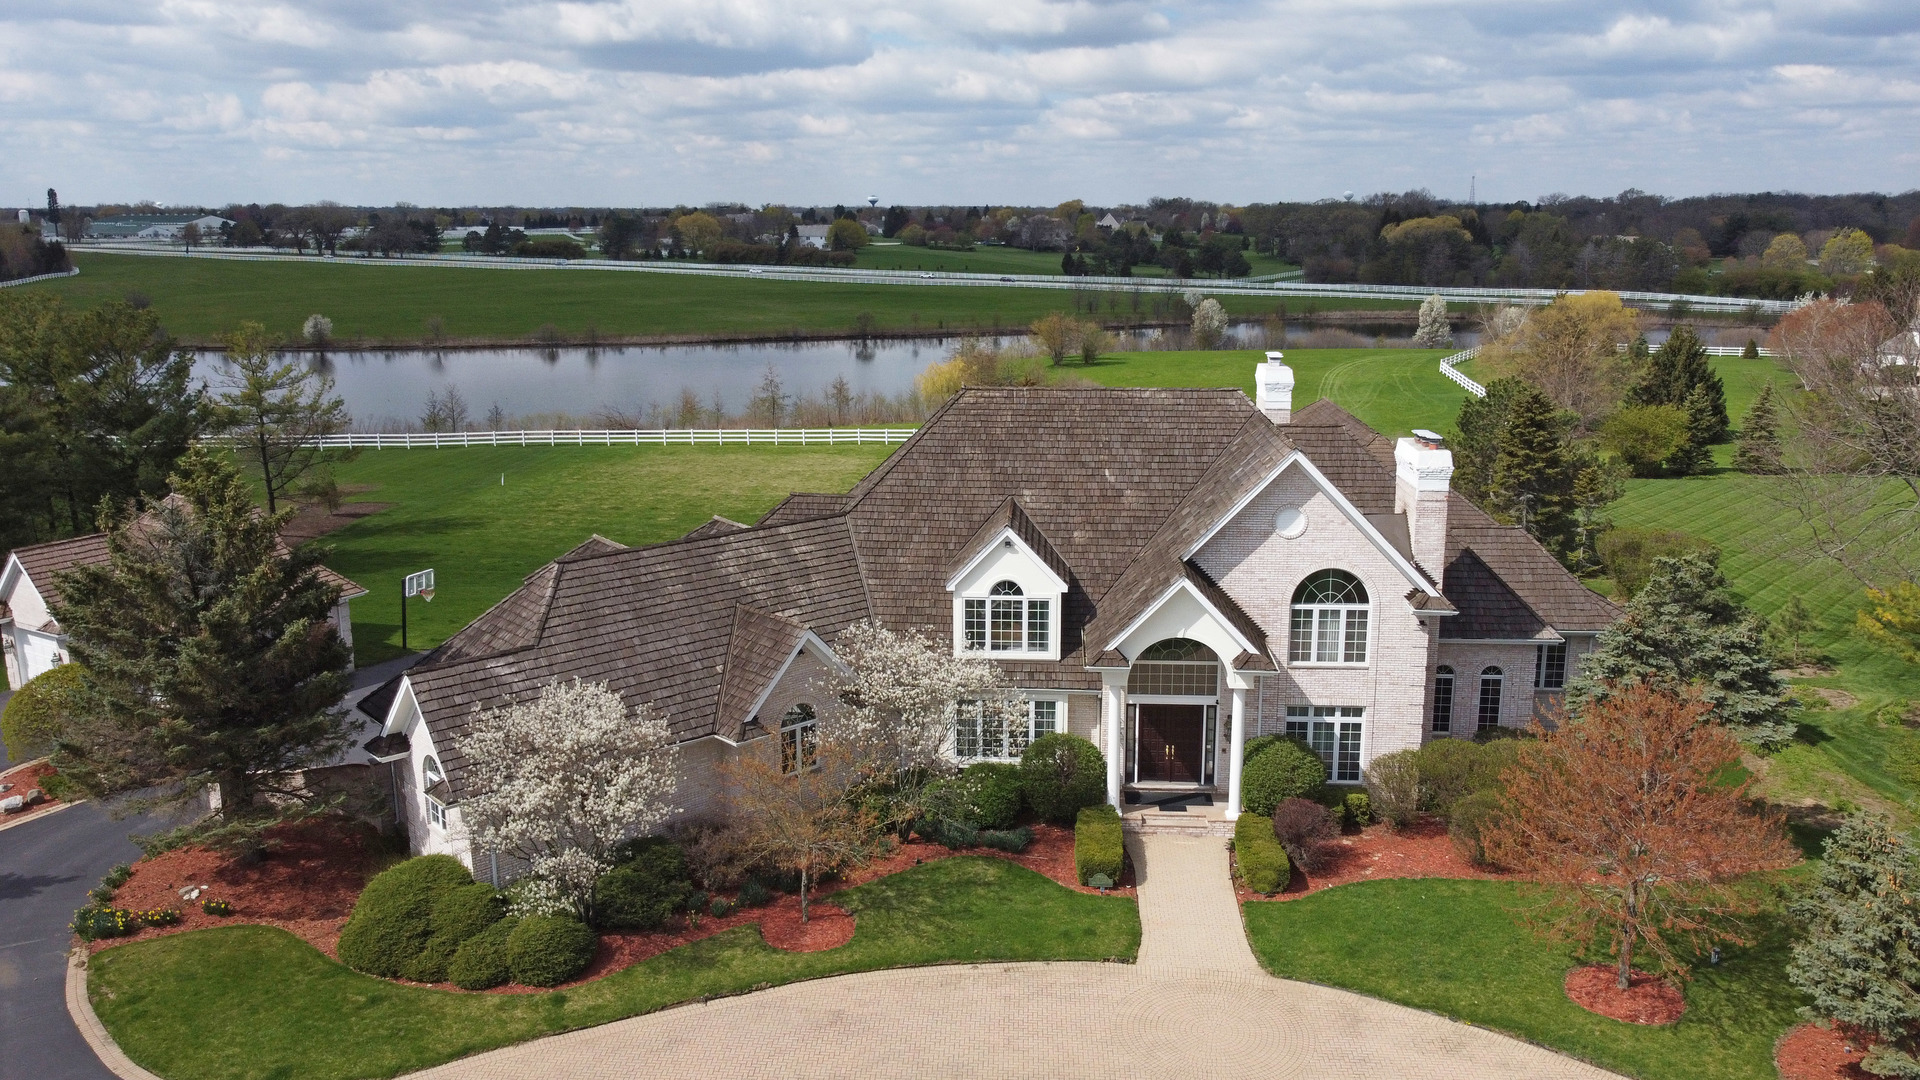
1759,447
1696,453
1752,351
209,659
1533,477
1860,959
1683,628
1674,371
1475,439
277,410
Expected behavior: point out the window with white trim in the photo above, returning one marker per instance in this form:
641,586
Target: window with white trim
1490,681
1333,732
1550,666
1442,700
432,776
1329,620
1006,620
980,735
799,739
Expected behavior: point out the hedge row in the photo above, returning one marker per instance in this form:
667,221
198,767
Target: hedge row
1261,860
1099,846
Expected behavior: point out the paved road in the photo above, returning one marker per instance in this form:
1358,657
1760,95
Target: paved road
1196,1003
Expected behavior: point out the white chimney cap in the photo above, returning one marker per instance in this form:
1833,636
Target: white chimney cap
1275,357
1433,438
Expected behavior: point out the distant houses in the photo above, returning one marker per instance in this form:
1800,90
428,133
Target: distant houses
155,226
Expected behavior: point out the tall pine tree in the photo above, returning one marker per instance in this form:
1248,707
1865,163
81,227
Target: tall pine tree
210,663
1475,440
1533,476
1696,453
1675,370
1759,446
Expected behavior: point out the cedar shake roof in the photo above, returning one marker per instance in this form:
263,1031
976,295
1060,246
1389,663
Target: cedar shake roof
1011,516
804,506
42,561
656,623
1525,573
714,526
757,650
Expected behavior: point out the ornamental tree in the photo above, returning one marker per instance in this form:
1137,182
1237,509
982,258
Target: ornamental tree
1622,820
1684,631
1858,960
1209,323
808,821
561,780
1434,332
896,696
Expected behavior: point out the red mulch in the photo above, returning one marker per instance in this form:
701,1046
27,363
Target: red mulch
25,778
1648,999
305,885
1816,1052
827,927
1420,850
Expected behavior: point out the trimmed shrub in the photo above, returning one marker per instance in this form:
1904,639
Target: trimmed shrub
547,950
990,790
1393,787
480,963
1061,774
1359,809
947,832
458,914
648,883
721,907
1285,769
392,920
1014,840
1261,861
1471,816
30,720
753,894
1099,846
1301,826
1452,769
1258,745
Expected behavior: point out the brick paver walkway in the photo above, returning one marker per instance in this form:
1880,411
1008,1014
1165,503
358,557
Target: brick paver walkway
1196,1003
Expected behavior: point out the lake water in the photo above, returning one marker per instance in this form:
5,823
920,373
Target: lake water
388,390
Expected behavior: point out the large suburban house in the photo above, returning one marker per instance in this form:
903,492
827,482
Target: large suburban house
30,635
1167,572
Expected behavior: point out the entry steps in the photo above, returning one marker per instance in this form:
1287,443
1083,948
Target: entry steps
1147,820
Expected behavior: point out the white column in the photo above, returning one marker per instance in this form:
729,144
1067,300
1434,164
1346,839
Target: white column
1237,754
1113,709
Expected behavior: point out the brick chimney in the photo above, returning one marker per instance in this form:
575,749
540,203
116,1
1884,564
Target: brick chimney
1273,381
1422,476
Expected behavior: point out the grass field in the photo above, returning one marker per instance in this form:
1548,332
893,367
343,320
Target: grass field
200,299
1007,260
1456,950
451,511
255,1003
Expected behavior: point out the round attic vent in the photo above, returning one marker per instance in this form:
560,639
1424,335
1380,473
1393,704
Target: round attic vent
1290,522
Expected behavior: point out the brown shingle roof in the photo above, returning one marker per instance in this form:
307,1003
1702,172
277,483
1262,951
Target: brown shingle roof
1524,573
760,645
713,526
42,561
1010,515
804,506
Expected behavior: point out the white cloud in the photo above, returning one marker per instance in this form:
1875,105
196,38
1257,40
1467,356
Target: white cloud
1033,101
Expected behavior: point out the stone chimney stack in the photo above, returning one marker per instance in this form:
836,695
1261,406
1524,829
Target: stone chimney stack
1423,474
1273,381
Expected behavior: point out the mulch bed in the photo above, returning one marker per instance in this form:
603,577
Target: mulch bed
25,778
1818,1052
1422,850
1648,999
827,927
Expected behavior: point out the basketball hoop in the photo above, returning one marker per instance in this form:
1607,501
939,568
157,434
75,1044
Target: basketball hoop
418,584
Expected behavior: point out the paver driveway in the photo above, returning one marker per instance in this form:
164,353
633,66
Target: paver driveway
1196,1003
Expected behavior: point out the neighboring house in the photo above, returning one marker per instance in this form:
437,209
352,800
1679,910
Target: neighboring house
1109,222
813,235
155,226
1902,349
30,635
1167,572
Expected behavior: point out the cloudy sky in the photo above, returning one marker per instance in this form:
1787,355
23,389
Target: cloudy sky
648,102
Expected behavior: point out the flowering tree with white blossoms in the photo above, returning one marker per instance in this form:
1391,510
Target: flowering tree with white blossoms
1434,333
561,780
1209,323
896,698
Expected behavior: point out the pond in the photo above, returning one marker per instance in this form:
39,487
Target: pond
387,390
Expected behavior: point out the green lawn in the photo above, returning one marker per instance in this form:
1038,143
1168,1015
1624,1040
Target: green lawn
254,1003
200,299
452,512
1456,950
1392,390
1007,260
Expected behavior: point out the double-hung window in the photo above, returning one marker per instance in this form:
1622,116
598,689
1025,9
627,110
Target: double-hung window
1333,731
1442,700
1550,666
799,739
1490,682
432,781
1006,620
980,733
1329,620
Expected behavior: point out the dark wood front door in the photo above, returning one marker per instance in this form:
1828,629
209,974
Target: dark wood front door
1169,743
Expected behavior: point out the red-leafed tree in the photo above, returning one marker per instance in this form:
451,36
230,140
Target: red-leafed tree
1626,824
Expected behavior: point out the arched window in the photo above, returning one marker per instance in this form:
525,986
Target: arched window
1490,680
1177,667
1443,699
1329,620
1008,621
799,739
432,781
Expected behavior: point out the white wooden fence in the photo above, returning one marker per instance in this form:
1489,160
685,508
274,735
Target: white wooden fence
1446,368
39,277
436,440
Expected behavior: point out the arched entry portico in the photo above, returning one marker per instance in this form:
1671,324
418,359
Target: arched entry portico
1173,716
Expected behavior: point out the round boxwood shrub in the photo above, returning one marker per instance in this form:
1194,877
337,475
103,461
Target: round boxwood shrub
1258,745
30,720
649,883
547,950
458,914
480,963
392,920
1059,774
990,790
1285,769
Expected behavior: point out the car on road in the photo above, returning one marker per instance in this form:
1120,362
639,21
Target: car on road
1007,280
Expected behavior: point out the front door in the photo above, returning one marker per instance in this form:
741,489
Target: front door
1169,745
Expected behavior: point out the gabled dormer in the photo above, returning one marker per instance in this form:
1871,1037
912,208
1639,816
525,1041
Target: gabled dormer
1008,587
